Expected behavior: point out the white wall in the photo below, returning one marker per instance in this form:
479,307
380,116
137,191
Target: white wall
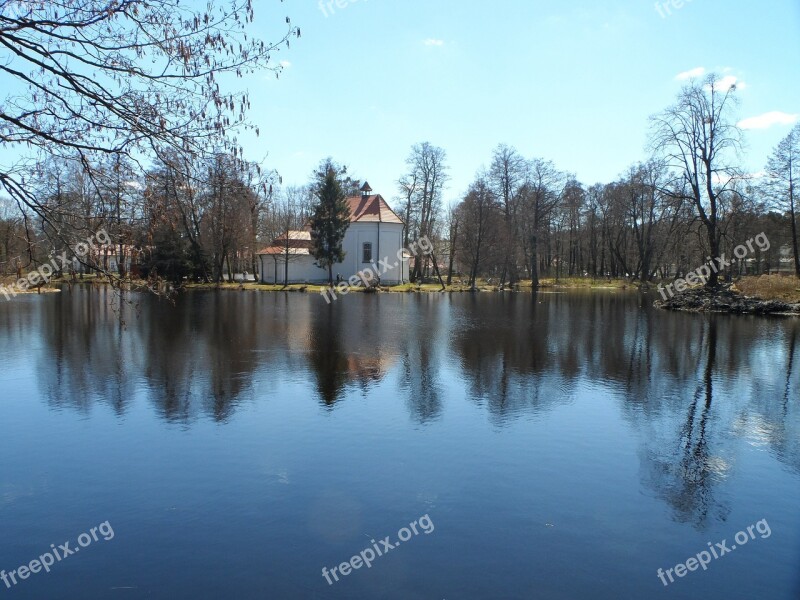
387,245
301,270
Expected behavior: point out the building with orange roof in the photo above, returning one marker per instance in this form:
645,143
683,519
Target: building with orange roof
374,241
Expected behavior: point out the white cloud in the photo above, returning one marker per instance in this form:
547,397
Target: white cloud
433,42
729,81
769,119
725,83
691,74
286,64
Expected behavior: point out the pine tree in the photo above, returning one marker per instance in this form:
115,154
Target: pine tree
330,219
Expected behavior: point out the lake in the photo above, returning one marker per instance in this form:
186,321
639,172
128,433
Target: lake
551,445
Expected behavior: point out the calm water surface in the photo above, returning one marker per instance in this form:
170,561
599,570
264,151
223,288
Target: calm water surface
564,446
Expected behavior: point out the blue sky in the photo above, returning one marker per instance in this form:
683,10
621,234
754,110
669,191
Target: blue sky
572,81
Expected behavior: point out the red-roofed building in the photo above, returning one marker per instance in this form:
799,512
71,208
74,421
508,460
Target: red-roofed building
374,242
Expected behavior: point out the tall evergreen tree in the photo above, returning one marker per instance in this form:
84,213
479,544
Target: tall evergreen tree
330,219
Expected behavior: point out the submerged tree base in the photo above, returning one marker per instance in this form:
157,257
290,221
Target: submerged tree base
725,299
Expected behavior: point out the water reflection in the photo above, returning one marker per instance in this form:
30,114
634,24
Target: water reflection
684,471
327,359
693,386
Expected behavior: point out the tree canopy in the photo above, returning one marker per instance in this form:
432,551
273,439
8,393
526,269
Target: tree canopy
87,79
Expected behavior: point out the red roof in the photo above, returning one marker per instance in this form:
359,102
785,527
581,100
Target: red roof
363,209
371,209
299,244
295,237
281,250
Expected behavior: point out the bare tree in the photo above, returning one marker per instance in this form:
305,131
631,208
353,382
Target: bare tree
593,220
541,193
783,172
227,207
424,182
118,189
125,77
261,185
478,214
288,215
453,218
699,142
174,213
644,211
407,185
506,177
11,236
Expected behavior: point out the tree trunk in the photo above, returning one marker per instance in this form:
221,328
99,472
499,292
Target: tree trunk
714,244
793,216
436,268
534,261
453,239
473,275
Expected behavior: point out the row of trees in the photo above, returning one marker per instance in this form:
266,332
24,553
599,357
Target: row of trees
201,219
521,218
181,218
688,203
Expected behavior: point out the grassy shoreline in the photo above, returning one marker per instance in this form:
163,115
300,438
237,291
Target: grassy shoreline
411,288
765,287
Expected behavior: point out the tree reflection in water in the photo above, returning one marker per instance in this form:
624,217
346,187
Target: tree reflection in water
691,385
